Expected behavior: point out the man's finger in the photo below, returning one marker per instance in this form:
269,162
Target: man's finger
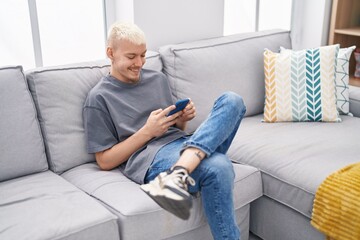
157,111
166,111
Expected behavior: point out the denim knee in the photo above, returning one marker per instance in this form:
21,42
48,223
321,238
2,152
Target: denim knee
221,168
233,101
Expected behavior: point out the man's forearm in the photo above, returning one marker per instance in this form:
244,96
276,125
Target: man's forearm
120,153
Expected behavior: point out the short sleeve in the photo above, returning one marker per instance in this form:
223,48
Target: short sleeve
99,130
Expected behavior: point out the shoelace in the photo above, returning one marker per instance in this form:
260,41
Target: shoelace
181,179
184,180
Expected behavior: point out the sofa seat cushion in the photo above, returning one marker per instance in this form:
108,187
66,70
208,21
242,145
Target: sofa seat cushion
45,206
134,208
295,158
22,147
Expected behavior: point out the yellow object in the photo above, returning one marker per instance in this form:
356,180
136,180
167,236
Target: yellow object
336,209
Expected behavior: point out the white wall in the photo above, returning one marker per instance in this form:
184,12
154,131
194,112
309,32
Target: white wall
125,10
175,21
310,23
239,16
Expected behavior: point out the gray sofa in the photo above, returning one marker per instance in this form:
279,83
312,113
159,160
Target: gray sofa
52,189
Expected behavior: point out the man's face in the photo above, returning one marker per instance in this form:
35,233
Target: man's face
127,60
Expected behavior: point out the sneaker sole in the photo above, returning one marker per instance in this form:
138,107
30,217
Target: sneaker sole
180,208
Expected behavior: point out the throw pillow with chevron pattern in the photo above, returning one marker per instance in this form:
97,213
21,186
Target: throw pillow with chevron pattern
300,85
341,79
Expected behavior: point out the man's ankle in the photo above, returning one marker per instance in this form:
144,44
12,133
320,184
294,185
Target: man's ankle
178,167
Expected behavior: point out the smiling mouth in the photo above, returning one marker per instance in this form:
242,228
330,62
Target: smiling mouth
135,70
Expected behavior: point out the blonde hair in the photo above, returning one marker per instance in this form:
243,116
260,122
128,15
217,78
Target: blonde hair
126,31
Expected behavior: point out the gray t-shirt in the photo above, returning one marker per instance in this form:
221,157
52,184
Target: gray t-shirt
115,110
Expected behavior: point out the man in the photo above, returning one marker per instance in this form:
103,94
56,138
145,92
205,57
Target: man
128,126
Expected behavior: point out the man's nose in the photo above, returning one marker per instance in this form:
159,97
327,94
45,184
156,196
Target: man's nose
138,61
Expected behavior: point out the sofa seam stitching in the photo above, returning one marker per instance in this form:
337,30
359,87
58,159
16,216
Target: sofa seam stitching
226,43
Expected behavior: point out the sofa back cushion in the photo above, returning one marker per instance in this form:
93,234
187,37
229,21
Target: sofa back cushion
59,94
202,70
22,147
153,61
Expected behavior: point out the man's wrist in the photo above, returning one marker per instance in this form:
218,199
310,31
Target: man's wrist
145,134
181,124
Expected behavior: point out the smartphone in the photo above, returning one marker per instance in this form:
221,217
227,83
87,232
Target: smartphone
180,105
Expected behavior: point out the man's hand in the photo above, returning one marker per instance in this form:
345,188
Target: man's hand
187,114
158,123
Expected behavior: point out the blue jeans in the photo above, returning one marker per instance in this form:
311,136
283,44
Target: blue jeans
214,175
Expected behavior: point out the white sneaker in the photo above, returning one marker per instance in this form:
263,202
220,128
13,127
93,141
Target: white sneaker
170,190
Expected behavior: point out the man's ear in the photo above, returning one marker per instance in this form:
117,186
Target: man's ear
110,53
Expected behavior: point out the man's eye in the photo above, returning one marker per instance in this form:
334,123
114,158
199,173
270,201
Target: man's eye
131,57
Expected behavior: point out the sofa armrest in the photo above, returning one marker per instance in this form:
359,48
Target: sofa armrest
354,93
